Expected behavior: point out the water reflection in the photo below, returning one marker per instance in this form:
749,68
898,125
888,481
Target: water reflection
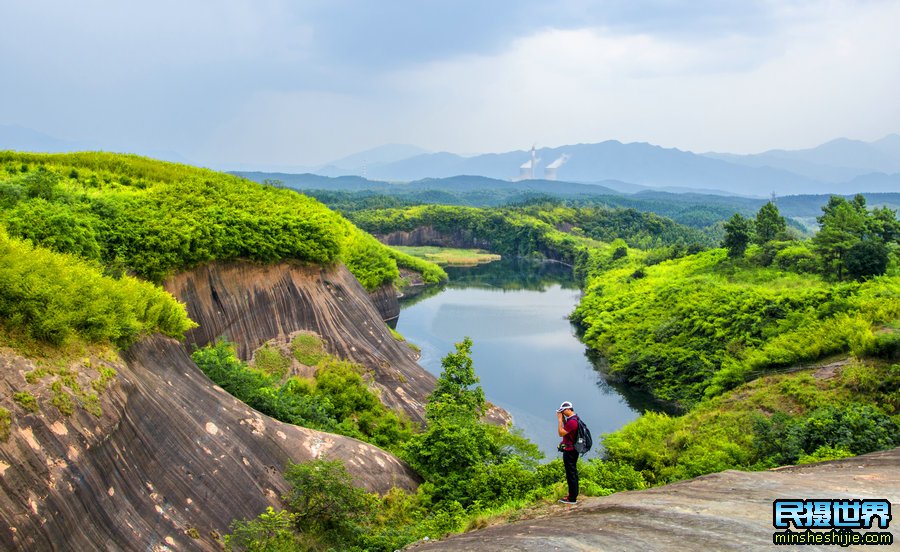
525,350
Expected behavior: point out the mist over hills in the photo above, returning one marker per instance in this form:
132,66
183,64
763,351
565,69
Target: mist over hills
841,166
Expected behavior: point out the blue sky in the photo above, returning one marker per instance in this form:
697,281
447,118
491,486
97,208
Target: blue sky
271,83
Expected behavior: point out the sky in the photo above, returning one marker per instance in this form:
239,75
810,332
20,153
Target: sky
228,83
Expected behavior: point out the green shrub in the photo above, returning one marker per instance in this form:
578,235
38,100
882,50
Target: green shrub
270,532
337,401
885,345
271,361
60,399
823,454
308,349
55,298
5,424
26,400
325,503
797,258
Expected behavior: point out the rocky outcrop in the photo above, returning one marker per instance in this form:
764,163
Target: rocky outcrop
731,510
251,304
164,461
386,302
427,235
467,239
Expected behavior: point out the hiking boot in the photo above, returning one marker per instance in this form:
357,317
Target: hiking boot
567,501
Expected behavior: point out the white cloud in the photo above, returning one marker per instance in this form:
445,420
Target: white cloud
823,74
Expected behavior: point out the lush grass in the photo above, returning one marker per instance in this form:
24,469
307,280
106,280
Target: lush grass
308,349
57,298
774,420
449,255
701,324
151,218
271,361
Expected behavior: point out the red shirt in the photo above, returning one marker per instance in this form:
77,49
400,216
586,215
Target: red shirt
570,425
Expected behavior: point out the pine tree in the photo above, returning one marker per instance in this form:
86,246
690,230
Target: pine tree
768,224
737,235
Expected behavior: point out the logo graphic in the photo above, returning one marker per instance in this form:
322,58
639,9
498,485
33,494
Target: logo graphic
831,521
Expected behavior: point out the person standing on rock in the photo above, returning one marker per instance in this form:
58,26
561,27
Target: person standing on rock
568,429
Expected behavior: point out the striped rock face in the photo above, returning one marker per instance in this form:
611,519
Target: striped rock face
162,458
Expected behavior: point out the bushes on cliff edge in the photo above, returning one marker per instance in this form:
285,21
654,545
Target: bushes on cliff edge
54,297
150,218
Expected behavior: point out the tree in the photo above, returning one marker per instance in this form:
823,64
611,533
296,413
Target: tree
456,440
842,226
324,502
455,385
884,225
867,258
737,235
768,224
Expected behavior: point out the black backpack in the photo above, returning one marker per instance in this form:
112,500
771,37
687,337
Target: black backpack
583,440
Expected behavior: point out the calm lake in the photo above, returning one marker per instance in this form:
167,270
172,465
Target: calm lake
525,350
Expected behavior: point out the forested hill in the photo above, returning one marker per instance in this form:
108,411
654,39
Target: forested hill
698,210
544,228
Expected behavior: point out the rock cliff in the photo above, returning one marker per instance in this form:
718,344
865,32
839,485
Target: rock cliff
163,461
462,238
731,510
251,304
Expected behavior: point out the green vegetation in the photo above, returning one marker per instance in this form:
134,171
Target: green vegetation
474,472
308,349
725,332
26,400
336,400
431,273
271,361
698,325
545,229
5,424
449,255
150,218
55,298
772,421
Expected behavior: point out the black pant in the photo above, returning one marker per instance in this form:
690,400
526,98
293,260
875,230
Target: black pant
570,461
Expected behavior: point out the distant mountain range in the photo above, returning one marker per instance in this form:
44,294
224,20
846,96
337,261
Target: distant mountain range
691,208
841,166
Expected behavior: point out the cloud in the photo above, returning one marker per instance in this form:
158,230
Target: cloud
301,83
824,73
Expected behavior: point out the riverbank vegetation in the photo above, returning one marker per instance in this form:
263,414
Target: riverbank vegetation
473,471
779,354
449,255
545,229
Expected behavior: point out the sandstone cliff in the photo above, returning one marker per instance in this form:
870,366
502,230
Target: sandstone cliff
251,304
165,461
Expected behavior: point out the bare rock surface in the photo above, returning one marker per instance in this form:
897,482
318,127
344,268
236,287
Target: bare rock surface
251,304
169,461
731,510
